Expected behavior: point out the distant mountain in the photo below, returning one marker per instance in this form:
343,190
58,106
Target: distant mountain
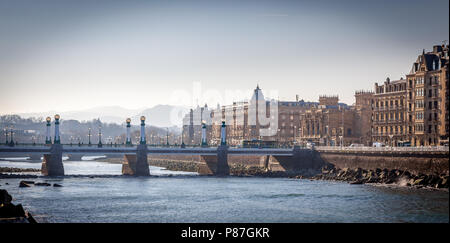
159,115
163,115
109,114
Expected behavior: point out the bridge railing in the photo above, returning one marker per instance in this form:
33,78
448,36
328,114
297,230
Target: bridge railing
385,149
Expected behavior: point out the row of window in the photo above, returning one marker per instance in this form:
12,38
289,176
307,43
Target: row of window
420,127
419,115
390,103
398,116
421,80
420,104
419,92
391,88
431,92
389,130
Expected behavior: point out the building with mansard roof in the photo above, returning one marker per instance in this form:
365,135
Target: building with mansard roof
427,98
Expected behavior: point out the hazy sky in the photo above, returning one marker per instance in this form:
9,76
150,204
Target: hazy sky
70,55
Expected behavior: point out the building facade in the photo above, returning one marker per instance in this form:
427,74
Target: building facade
427,98
363,116
330,123
389,113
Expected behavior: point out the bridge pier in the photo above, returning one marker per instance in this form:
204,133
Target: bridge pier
215,164
301,159
52,164
75,157
35,157
136,164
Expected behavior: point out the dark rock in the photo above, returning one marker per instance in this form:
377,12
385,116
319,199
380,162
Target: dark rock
434,180
5,198
14,213
42,184
24,184
357,182
358,173
418,181
11,211
372,180
28,182
444,183
389,181
57,185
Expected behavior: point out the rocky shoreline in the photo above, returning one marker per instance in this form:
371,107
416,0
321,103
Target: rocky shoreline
6,172
352,176
381,176
15,170
175,165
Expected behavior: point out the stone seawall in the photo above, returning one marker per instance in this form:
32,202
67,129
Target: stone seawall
426,169
428,163
416,163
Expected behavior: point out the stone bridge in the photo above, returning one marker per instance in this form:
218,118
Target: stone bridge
214,161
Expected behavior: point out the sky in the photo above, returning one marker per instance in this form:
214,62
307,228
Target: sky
66,55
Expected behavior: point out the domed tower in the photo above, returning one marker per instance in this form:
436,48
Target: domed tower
257,101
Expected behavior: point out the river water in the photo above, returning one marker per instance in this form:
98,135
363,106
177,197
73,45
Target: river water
96,192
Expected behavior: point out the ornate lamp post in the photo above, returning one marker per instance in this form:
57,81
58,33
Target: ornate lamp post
89,137
142,140
204,142
57,139
182,141
48,138
167,137
128,139
11,142
223,134
6,136
99,137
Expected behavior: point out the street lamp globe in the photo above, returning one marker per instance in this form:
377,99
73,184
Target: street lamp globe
57,117
142,118
48,119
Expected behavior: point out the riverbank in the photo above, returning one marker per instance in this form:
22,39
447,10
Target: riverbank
15,170
11,172
382,176
329,172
